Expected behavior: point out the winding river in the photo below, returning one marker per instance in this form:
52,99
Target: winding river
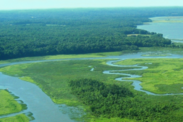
135,83
42,107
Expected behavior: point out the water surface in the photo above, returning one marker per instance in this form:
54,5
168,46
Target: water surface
170,30
42,107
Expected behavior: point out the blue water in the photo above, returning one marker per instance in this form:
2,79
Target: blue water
169,30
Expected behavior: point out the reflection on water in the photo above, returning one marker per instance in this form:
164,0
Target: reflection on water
75,113
42,107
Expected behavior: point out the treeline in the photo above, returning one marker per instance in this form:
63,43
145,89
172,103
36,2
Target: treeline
75,31
117,101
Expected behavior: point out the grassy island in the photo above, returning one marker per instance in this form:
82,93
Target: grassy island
9,105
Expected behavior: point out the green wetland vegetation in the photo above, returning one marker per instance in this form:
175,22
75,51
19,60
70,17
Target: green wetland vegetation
17,118
65,56
9,105
162,76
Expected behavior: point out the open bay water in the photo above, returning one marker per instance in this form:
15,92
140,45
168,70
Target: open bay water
170,30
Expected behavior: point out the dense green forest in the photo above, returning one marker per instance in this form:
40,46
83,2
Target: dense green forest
75,31
110,100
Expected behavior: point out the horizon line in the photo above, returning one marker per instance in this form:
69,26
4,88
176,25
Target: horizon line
92,8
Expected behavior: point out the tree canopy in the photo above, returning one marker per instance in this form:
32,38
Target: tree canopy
75,31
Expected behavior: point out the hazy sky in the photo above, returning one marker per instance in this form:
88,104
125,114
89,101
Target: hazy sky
39,4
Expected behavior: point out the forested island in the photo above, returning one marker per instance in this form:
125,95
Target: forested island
26,33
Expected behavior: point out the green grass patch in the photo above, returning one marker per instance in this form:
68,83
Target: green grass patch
8,104
49,57
162,76
3,62
17,118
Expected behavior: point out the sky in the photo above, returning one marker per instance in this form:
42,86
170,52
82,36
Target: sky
45,4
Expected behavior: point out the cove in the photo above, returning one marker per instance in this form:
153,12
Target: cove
171,28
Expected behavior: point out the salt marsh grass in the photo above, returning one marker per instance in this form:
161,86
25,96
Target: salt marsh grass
162,76
9,105
17,118
53,77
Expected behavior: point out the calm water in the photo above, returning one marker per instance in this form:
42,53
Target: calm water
42,107
169,30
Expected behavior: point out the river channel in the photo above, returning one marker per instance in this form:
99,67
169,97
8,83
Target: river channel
41,105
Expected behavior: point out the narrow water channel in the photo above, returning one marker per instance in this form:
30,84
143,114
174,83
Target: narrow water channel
135,83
